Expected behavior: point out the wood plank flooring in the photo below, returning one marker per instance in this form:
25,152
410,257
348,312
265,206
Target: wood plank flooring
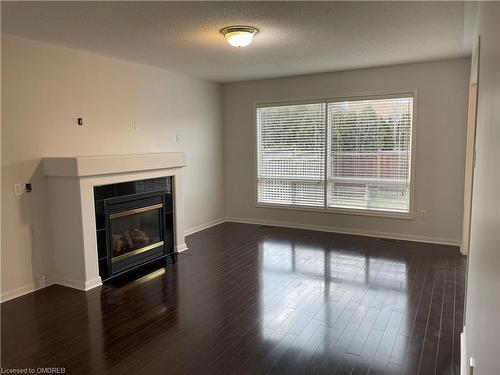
247,299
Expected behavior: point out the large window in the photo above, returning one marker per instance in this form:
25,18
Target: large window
348,154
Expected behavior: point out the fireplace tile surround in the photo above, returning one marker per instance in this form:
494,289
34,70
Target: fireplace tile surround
73,192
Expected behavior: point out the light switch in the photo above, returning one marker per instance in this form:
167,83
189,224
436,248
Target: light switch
18,190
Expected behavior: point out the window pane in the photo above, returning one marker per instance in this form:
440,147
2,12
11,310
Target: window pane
291,154
369,154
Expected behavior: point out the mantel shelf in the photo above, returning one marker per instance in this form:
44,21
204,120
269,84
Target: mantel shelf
85,166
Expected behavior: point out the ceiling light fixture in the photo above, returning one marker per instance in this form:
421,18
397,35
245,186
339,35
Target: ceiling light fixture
239,36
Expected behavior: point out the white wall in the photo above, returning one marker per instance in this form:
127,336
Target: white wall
440,145
44,88
482,321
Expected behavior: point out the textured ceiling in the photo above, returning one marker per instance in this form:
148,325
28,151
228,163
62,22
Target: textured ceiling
295,37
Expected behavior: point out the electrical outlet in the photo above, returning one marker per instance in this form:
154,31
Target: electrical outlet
79,121
43,280
28,187
422,214
18,190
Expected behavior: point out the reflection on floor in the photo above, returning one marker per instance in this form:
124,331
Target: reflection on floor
253,300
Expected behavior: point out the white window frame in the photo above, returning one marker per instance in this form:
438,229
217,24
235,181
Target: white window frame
328,99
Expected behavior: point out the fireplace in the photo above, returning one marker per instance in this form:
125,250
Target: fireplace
134,223
81,188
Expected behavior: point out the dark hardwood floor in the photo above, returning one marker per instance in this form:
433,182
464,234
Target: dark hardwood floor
248,299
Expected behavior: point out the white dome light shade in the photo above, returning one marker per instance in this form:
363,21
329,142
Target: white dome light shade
239,36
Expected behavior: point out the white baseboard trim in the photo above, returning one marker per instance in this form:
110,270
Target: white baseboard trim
463,354
201,227
358,232
76,284
91,284
463,251
180,248
18,292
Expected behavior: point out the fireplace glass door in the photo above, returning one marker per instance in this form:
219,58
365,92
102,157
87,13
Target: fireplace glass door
135,229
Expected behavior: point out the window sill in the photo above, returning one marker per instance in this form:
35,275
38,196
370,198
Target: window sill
341,211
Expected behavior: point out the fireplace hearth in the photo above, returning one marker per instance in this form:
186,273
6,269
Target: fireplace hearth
134,223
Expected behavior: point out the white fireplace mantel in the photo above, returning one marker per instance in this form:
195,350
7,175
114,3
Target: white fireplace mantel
71,182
